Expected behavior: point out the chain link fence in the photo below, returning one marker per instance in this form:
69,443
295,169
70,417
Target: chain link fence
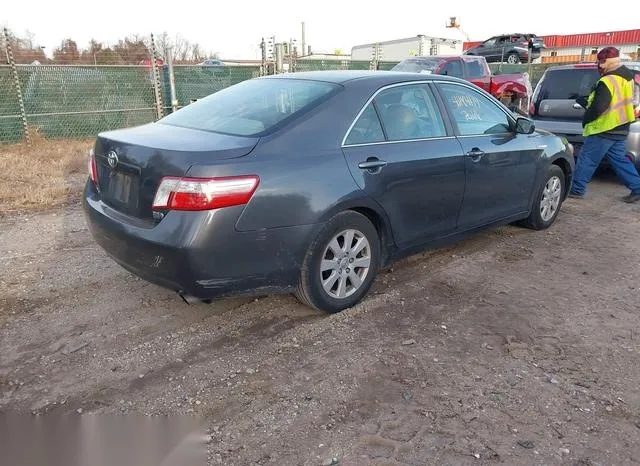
195,82
79,101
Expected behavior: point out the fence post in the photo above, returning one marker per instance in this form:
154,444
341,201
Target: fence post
172,81
156,80
16,80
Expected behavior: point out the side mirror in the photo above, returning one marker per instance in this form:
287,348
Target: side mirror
525,126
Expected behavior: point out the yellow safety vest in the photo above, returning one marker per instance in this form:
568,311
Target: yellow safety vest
620,109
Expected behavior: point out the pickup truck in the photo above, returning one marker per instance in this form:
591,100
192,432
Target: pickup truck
514,90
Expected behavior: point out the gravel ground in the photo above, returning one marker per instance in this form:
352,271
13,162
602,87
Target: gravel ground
515,347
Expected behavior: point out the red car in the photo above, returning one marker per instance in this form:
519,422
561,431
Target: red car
513,90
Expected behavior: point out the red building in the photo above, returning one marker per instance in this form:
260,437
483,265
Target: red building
577,47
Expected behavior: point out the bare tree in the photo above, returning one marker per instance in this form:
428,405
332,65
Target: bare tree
25,49
164,45
196,52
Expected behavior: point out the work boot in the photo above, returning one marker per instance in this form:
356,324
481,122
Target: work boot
631,198
576,195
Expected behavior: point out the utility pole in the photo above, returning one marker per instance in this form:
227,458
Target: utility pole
376,57
263,56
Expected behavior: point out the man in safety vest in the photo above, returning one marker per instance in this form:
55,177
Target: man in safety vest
608,113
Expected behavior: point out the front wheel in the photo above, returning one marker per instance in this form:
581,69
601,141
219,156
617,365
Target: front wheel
341,263
548,200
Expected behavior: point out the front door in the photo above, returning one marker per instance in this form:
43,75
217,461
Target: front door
500,164
401,154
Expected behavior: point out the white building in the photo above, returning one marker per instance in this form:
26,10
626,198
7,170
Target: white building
449,42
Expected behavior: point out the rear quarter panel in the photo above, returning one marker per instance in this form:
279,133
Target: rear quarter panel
304,178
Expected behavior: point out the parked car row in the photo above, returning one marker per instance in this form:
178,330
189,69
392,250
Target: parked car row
310,183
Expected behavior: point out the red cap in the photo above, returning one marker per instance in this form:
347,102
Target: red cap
608,52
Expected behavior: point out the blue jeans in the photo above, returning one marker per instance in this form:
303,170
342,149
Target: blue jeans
594,150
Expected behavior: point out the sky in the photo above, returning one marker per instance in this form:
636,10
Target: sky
235,29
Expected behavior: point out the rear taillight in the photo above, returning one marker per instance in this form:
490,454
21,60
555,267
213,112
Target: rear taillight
204,193
93,168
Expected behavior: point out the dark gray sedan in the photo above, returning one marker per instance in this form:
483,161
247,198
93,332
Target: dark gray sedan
311,182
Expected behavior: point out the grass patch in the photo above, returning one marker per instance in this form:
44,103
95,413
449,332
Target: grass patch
47,174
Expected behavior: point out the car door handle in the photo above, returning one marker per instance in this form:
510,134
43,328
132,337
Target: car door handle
475,154
372,164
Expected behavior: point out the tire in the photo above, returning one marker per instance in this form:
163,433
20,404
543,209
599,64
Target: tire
311,291
513,58
551,189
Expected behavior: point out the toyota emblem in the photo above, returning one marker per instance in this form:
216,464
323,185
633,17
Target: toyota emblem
112,159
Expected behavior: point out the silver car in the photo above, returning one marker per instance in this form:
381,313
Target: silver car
554,108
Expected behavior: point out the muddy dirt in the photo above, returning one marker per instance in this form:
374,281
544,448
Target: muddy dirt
514,347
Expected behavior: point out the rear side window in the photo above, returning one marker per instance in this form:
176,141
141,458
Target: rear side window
367,129
567,84
407,112
453,68
252,107
410,112
476,69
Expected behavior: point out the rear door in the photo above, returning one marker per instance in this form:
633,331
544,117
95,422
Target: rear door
554,101
501,165
489,50
403,154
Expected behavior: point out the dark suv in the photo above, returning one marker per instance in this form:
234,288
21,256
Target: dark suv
554,107
512,48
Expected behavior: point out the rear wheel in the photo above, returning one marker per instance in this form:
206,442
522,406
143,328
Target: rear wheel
513,58
548,200
341,263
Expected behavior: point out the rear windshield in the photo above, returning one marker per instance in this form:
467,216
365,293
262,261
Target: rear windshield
417,65
568,84
251,107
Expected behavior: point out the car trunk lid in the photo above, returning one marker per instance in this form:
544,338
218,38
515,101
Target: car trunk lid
131,162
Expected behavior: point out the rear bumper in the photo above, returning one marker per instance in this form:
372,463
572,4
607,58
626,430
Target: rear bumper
200,253
573,132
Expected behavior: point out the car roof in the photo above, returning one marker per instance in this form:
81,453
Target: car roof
590,66
572,66
343,76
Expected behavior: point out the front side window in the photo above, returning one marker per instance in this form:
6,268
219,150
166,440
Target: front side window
473,113
251,107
